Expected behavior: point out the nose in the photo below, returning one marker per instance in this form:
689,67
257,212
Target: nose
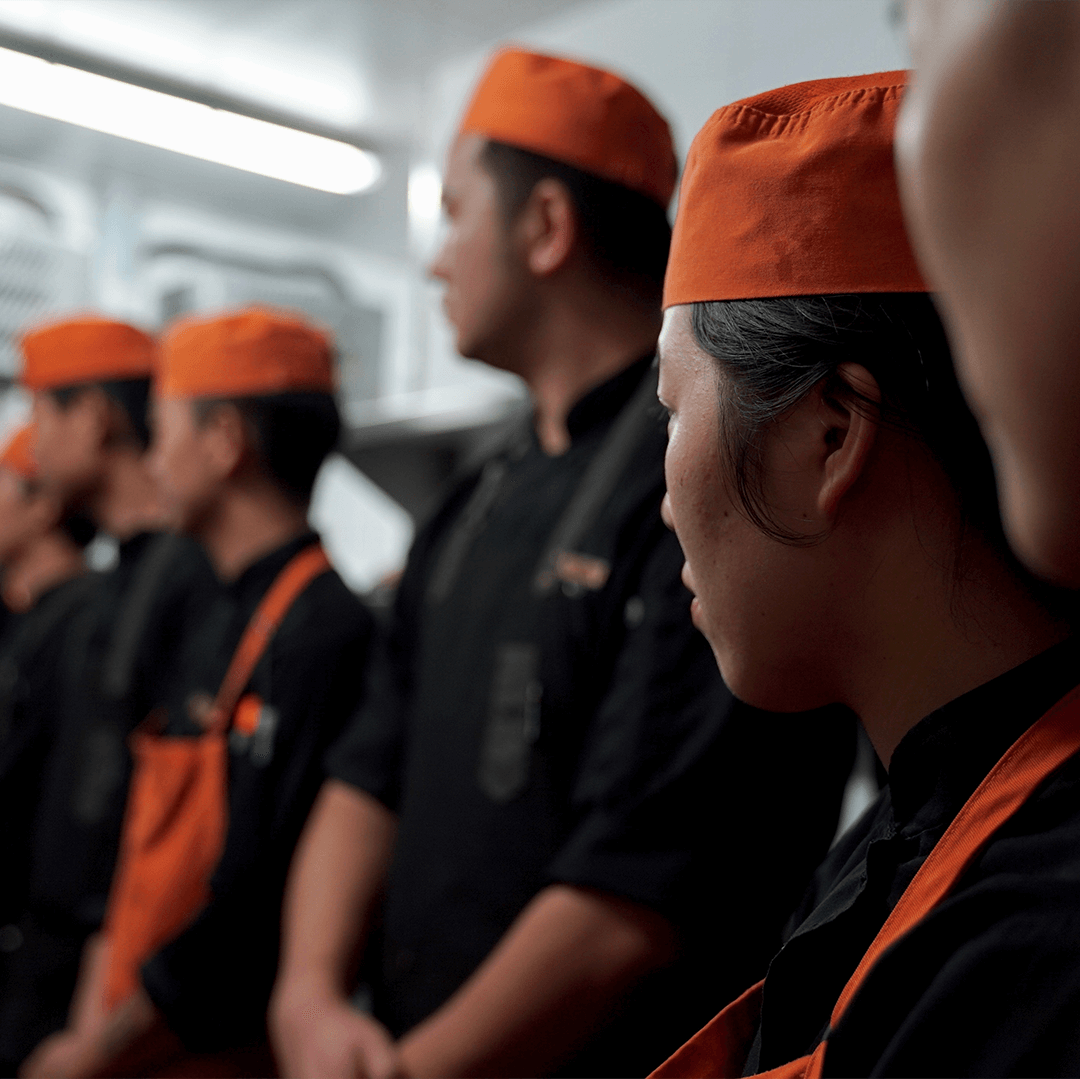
439,266
665,512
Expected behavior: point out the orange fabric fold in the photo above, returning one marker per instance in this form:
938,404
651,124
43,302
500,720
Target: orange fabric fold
582,116
81,350
248,353
793,193
178,803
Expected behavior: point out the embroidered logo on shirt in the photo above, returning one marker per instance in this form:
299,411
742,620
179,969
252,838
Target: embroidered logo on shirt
581,572
253,728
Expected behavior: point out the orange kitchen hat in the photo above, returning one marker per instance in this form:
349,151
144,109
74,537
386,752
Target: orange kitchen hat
17,456
248,353
582,116
793,193
86,349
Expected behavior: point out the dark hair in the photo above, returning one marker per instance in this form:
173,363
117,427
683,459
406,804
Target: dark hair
292,434
775,351
626,235
132,395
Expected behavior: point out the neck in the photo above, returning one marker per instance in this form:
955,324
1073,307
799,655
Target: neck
48,561
127,501
250,520
575,346
940,643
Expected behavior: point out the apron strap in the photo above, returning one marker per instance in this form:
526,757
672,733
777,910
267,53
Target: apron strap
721,1047
1037,753
300,571
601,477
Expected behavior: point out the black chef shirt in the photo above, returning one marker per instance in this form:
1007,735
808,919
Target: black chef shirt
582,737
85,790
158,594
989,982
30,650
213,981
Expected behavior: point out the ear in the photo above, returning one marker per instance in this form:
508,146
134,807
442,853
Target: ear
548,227
225,438
851,429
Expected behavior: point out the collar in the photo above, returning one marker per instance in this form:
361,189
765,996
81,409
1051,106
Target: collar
253,583
604,402
133,548
939,762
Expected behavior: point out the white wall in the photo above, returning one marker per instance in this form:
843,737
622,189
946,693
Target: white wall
692,56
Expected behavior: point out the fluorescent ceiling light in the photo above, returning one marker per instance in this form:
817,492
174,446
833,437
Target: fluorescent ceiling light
183,126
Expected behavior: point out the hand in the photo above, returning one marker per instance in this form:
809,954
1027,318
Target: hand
319,1035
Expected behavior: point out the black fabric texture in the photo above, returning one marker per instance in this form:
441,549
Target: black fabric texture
213,981
29,653
85,773
642,775
989,982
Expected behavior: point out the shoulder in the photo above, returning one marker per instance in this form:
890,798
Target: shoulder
993,972
325,612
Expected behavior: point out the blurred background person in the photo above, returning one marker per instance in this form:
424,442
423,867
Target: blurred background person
865,563
42,581
989,156
39,548
547,779
90,380
244,416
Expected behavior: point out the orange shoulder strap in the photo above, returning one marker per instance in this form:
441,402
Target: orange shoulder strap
1035,755
310,563
720,1048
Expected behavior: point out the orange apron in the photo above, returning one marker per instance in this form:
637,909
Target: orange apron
178,808
721,1047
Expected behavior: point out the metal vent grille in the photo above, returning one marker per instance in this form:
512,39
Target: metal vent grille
37,279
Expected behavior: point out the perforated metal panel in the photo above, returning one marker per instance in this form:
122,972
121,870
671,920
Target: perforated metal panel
37,279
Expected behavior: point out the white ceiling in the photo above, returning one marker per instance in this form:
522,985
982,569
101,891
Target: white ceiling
358,64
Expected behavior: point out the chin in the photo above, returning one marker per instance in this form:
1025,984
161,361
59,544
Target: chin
767,687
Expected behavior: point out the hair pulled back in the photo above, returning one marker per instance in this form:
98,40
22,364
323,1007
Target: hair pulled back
775,351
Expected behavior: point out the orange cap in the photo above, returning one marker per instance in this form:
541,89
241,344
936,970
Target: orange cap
582,116
248,353
793,193
17,456
87,349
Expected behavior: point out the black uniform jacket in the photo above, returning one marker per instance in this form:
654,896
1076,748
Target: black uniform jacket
989,983
213,981
30,652
582,737
116,663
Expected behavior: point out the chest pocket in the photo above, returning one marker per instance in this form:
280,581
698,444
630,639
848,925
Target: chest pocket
513,721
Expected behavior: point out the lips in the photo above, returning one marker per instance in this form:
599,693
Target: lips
687,579
695,613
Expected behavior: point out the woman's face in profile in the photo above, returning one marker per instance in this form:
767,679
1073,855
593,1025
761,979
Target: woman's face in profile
755,599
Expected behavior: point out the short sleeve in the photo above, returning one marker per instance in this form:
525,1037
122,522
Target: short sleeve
370,752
